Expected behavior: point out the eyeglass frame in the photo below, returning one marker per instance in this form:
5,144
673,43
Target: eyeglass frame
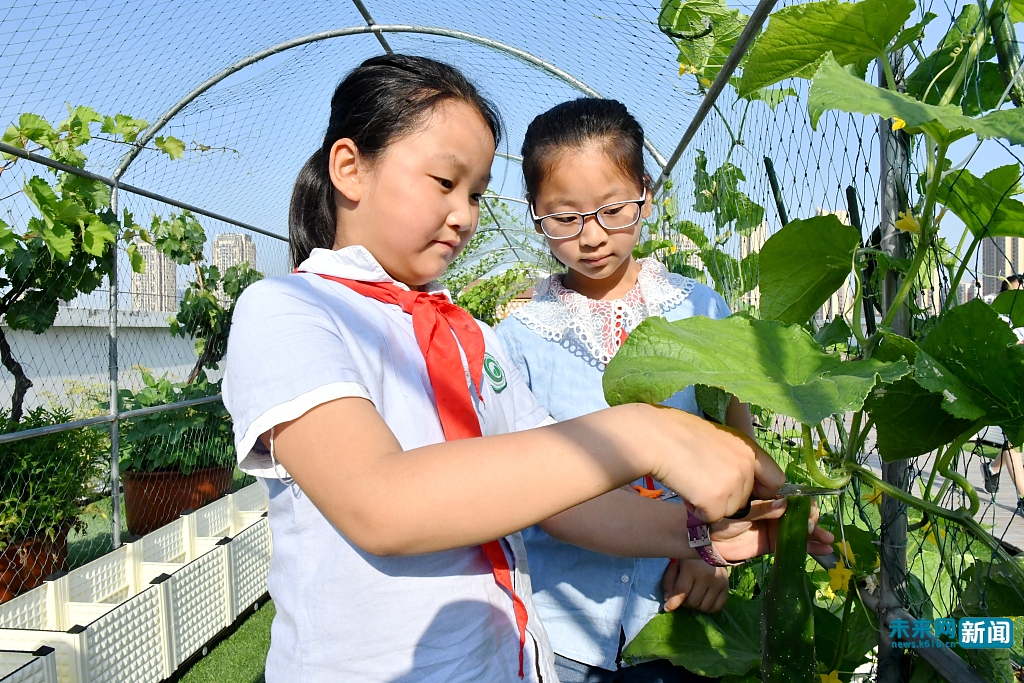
595,213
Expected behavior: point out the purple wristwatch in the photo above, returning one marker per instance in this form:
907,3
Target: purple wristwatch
700,540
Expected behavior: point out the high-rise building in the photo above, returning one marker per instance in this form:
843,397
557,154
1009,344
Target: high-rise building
157,288
231,249
1000,257
750,244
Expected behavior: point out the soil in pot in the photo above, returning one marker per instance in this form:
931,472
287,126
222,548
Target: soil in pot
25,564
153,499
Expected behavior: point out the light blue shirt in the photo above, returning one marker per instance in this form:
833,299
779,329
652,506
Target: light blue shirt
584,598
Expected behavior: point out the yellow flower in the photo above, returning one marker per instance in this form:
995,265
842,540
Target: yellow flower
847,552
898,123
673,249
931,536
825,594
873,498
840,578
687,69
821,452
706,82
907,223
830,677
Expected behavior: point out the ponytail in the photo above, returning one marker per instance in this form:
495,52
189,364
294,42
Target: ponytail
382,99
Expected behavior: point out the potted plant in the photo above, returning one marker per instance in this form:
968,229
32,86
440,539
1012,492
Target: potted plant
183,459
45,479
176,460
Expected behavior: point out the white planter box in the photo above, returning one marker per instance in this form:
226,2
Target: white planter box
28,667
136,614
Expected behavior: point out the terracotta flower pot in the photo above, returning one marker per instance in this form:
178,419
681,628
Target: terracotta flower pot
25,564
153,499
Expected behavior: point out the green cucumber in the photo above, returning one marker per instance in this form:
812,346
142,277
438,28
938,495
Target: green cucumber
787,616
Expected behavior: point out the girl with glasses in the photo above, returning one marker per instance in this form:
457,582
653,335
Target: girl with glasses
401,451
589,193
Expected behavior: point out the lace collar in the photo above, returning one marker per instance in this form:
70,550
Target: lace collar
599,327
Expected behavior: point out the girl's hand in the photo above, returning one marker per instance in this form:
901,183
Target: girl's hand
695,584
714,468
740,539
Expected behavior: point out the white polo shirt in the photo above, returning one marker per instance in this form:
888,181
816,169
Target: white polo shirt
343,614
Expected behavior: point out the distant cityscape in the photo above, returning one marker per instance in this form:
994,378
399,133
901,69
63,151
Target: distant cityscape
157,288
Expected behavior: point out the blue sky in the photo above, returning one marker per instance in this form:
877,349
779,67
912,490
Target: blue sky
262,123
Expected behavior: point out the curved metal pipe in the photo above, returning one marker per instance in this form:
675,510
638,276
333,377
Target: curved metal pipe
521,55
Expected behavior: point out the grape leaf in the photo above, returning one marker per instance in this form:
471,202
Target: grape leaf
797,37
834,88
8,240
802,265
985,204
96,236
136,259
775,366
724,643
171,146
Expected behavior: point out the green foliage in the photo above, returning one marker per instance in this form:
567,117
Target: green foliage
718,194
704,31
182,440
1011,304
47,478
485,298
798,37
834,88
728,642
208,303
833,332
985,204
802,265
778,367
910,421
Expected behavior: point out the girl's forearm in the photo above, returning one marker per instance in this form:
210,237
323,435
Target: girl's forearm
625,524
393,502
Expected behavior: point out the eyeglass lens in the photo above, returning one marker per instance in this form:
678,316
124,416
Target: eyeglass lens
611,217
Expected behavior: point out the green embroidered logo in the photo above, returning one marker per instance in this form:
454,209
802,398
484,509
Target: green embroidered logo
495,375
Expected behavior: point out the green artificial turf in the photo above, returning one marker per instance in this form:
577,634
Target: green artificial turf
239,658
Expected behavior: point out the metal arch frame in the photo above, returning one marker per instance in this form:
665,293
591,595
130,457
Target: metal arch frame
375,29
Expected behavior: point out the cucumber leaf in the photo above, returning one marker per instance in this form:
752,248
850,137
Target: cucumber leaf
725,643
797,37
704,31
835,332
973,345
834,88
910,421
778,367
985,204
1010,304
802,265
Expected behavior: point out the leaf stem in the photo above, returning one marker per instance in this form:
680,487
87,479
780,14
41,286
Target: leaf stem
951,296
858,303
811,463
926,236
844,631
980,38
890,77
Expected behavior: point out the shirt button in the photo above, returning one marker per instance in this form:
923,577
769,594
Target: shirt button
625,578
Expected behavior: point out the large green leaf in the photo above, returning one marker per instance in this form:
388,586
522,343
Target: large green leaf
991,591
802,265
1010,304
977,348
775,366
985,204
932,375
910,421
705,32
834,88
798,36
718,193
725,643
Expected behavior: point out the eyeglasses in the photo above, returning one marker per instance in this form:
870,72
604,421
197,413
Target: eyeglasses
568,224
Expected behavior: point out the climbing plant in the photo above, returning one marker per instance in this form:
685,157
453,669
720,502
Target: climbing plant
926,391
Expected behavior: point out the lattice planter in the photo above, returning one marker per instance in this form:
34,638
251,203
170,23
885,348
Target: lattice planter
28,667
141,611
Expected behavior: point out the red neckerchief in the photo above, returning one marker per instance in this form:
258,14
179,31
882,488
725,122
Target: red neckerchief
441,328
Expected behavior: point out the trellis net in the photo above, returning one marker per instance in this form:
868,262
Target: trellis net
245,137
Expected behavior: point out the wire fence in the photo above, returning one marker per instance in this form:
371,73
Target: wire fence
247,124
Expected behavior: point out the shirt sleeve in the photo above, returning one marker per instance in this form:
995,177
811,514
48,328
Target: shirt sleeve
286,355
528,411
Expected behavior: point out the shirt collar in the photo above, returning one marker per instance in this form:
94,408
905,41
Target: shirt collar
355,263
